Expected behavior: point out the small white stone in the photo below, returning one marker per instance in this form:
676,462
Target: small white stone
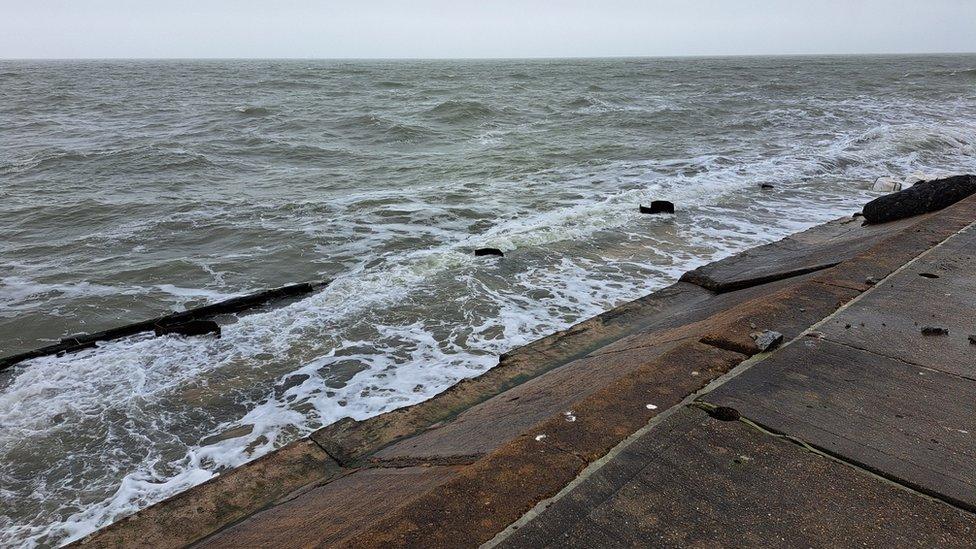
539,437
569,416
695,374
651,407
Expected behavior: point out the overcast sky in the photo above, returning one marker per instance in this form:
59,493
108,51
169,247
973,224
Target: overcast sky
482,28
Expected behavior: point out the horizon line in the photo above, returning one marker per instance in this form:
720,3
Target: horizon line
486,58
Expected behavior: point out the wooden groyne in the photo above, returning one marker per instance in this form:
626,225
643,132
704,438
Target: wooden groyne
228,306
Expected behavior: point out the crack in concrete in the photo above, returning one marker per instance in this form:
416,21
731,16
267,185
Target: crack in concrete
897,359
858,466
404,462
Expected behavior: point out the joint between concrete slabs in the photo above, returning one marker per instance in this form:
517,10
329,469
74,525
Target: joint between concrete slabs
694,398
857,466
897,359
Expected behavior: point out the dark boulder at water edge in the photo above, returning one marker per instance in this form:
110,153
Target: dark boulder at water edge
922,197
488,251
189,328
658,207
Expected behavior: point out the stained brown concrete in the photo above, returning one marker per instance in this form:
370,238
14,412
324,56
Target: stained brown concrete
188,517
457,469
326,515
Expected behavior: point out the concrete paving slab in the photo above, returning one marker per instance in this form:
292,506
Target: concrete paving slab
197,513
505,416
693,481
911,424
939,290
811,250
328,514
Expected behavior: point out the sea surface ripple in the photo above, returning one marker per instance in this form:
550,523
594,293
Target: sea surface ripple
135,188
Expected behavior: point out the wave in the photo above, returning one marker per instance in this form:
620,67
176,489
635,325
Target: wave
253,111
278,84
392,85
905,139
140,159
458,111
382,129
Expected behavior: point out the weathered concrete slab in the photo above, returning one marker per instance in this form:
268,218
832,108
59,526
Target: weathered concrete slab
492,492
812,250
484,498
911,424
789,311
939,290
697,482
204,509
667,373
691,318
655,323
900,247
327,515
350,441
487,425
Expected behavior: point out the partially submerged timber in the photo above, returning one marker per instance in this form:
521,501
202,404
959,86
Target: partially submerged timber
184,323
663,420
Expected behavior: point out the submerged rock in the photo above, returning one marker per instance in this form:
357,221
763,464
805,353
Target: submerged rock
934,331
189,328
766,186
658,207
923,197
489,251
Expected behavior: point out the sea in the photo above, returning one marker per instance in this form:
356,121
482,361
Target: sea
132,189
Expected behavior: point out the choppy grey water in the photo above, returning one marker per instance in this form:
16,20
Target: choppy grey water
131,189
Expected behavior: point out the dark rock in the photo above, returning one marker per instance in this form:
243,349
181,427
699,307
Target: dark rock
189,328
767,340
488,251
920,198
724,413
289,382
928,275
658,207
766,186
972,340
934,331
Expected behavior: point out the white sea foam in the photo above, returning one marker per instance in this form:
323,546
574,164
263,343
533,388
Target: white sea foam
411,311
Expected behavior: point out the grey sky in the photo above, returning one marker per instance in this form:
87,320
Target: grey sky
485,28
